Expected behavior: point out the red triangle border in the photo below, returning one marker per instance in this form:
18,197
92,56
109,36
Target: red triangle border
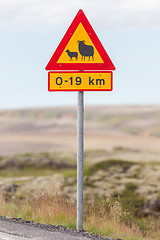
80,18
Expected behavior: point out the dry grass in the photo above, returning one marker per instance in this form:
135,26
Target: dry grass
53,209
110,219
105,217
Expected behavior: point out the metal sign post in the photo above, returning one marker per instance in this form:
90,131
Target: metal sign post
80,128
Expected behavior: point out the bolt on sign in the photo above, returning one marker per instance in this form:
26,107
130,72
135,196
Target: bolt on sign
81,53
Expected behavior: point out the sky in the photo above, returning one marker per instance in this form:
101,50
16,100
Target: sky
30,31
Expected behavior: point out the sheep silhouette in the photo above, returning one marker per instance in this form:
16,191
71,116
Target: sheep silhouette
72,54
85,50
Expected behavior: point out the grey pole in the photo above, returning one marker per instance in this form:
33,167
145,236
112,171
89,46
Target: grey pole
80,126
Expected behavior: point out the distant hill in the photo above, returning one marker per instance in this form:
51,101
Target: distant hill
106,127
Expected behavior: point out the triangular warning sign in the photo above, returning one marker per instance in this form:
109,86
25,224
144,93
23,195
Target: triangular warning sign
80,49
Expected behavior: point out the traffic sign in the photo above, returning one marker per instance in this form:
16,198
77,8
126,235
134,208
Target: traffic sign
80,81
80,49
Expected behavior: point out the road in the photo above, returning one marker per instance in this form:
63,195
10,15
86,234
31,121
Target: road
57,236
6,236
18,229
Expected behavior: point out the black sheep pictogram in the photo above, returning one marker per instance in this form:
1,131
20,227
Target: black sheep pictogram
85,50
72,54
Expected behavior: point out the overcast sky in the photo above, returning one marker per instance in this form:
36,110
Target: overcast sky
30,31
108,13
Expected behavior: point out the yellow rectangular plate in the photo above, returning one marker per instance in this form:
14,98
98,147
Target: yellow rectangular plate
80,81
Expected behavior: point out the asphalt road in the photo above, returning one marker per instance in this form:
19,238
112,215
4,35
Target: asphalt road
6,236
57,236
18,229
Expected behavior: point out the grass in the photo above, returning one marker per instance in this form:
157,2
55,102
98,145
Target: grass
31,168
130,199
55,156
30,171
105,216
27,172
37,164
118,119
119,148
106,165
69,173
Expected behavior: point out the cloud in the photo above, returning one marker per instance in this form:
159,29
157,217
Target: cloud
104,13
